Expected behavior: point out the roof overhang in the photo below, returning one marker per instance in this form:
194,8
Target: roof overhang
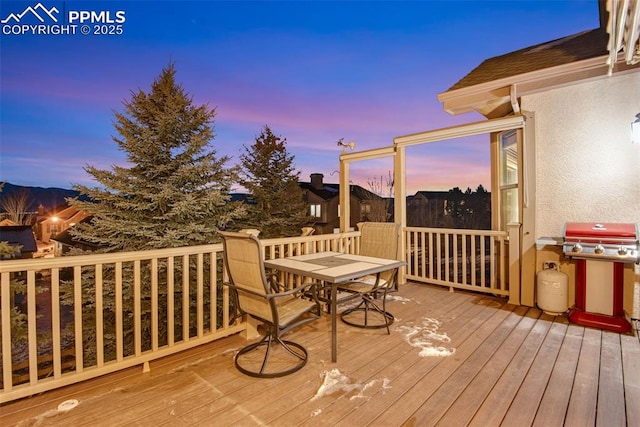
495,98
498,98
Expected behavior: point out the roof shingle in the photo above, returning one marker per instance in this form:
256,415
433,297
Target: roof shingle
584,45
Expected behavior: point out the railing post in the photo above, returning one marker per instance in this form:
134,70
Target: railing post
514,262
252,329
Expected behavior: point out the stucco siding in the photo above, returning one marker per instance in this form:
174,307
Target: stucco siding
587,169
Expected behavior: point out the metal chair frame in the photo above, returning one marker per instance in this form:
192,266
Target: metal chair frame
379,240
279,311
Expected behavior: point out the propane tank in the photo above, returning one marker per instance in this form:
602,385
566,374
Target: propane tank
553,287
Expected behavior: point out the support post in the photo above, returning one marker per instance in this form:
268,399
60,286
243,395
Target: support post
514,262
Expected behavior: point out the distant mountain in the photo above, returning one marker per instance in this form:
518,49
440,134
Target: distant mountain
50,198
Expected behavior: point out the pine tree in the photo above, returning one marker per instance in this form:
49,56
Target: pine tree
278,208
176,191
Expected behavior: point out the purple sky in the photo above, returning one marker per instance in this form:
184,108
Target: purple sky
313,71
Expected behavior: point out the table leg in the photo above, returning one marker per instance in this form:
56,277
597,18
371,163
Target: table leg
334,332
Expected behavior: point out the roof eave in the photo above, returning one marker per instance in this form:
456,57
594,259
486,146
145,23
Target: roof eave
493,99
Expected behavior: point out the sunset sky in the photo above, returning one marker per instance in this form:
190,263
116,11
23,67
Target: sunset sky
314,71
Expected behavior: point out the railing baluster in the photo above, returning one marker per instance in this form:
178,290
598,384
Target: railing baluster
503,272
432,260
56,341
474,258
185,298
119,314
155,319
32,327
137,309
225,297
171,339
483,262
200,294
77,316
456,259
439,255
213,292
99,316
7,339
492,260
422,254
447,256
465,239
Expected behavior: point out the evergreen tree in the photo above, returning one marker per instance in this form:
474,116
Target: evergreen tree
176,191
277,207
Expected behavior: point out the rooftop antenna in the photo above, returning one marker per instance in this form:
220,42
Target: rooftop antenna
344,145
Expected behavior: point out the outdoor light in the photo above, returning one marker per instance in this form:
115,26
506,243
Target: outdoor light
344,145
635,130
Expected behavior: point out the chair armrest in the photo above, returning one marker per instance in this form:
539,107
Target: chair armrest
296,290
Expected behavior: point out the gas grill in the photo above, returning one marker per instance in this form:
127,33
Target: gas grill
601,241
600,251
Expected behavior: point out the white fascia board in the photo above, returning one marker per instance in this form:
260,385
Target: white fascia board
468,98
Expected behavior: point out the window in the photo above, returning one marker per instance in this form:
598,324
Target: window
315,211
508,178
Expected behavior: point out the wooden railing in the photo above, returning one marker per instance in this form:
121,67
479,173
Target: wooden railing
68,319
465,259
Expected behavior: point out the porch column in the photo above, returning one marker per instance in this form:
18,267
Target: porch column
400,203
513,228
345,193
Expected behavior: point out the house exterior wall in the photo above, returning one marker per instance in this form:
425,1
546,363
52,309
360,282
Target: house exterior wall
587,169
330,220
63,220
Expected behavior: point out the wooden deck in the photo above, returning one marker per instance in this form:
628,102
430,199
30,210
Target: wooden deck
499,365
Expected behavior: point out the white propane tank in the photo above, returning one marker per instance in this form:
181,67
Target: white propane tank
553,290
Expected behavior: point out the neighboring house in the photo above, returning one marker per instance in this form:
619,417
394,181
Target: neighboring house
427,209
21,237
449,209
64,242
58,221
324,204
573,159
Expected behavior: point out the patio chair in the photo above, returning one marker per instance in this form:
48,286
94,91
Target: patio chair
380,240
280,312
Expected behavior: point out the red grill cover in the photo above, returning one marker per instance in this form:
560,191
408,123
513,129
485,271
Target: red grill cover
593,230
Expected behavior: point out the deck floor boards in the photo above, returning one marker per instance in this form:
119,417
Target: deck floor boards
477,389
509,366
610,409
